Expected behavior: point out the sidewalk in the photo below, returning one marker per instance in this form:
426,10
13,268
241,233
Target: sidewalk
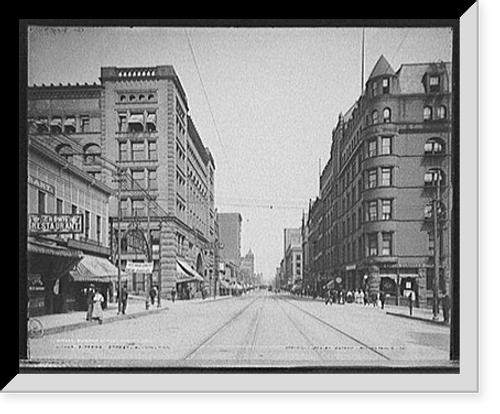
136,308
422,314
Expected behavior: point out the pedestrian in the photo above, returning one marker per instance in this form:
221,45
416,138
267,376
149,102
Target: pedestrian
152,294
327,297
89,295
97,312
173,293
446,304
124,299
411,298
362,296
383,296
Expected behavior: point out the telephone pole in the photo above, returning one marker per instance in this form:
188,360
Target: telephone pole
119,216
435,210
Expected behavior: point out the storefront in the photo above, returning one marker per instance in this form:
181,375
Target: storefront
96,271
188,282
49,285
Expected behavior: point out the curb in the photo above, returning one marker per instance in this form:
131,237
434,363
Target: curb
442,323
87,324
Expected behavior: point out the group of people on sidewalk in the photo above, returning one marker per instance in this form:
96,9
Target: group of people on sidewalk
95,301
358,296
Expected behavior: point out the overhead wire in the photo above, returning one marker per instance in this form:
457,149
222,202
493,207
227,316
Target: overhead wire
205,93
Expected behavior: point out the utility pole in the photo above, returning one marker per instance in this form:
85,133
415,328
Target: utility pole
437,254
216,265
119,215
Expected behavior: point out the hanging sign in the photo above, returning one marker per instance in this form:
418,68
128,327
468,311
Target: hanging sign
139,267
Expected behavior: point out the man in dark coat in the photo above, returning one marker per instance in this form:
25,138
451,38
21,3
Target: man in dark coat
89,297
446,304
124,299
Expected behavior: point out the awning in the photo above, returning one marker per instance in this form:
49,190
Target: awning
53,250
51,260
136,119
186,274
70,121
151,118
224,284
94,269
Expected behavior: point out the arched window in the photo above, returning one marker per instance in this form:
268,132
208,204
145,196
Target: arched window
92,153
442,112
65,151
427,113
375,117
434,177
387,115
434,146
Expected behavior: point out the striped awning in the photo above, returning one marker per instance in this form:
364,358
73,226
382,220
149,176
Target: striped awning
53,250
94,269
186,274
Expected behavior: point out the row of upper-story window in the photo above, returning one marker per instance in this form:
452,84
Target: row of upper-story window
93,224
69,124
428,114
378,177
380,146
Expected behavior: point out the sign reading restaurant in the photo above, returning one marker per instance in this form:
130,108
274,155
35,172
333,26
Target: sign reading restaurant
55,223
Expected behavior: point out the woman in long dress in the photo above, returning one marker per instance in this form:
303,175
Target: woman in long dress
97,312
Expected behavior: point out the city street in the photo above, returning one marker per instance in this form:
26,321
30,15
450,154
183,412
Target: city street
257,329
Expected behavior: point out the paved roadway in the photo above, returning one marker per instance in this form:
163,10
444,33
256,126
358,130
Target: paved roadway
260,329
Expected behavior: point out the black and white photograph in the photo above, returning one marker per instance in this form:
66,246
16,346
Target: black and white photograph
239,197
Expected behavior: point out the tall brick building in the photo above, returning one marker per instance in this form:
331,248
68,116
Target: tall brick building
372,224
136,121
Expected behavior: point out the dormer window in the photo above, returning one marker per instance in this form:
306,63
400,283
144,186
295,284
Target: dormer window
434,84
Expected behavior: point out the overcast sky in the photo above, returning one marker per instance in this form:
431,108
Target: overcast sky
275,95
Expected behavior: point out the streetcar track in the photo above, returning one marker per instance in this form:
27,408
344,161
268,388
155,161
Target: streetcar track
301,332
218,331
250,349
338,330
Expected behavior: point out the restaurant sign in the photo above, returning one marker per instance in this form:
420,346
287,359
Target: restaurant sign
55,223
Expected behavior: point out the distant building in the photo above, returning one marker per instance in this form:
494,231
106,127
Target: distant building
230,237
247,268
